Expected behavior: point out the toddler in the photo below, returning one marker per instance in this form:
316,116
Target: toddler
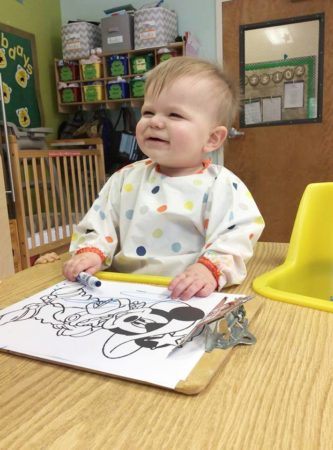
175,214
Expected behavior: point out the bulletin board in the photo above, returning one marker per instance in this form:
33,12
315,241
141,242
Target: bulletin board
283,90
19,70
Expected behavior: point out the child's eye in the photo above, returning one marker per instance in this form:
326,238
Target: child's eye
147,113
175,115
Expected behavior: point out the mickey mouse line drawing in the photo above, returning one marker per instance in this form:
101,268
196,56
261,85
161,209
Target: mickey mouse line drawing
134,321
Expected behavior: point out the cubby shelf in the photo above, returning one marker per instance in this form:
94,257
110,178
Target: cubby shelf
177,48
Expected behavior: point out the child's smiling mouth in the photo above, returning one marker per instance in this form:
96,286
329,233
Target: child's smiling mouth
156,141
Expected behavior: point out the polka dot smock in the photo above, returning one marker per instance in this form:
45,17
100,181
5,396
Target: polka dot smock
146,222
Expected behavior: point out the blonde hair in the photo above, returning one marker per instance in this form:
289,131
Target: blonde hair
167,72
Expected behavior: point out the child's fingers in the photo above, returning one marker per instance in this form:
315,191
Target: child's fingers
186,288
86,262
79,263
69,270
175,281
192,290
178,285
208,289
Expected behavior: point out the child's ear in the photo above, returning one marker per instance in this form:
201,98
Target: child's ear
216,138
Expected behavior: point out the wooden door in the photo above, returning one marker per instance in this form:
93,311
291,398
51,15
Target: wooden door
278,162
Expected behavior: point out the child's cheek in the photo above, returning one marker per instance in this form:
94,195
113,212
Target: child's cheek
180,134
139,129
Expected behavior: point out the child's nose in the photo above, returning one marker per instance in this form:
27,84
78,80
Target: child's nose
157,121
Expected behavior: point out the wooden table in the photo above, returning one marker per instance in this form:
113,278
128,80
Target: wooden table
277,394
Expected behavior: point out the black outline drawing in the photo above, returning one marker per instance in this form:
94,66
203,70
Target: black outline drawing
134,321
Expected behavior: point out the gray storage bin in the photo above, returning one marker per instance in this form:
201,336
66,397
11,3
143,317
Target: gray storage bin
154,27
79,38
117,33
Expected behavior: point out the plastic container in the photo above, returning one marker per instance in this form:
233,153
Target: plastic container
68,70
137,87
117,65
91,71
117,89
93,92
164,54
70,94
142,63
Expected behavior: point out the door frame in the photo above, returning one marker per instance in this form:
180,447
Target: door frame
219,30
219,53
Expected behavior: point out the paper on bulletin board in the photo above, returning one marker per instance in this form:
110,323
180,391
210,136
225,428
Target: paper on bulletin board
271,109
252,111
294,95
121,329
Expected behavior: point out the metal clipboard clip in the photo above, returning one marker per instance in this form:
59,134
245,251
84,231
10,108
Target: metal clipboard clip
229,331
225,326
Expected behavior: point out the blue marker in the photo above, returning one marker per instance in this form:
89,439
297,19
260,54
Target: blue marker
88,280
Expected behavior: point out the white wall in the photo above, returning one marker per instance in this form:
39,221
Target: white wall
196,16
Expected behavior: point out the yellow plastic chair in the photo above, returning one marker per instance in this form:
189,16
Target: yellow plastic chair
306,276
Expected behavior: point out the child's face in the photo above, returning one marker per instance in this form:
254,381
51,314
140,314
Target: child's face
178,127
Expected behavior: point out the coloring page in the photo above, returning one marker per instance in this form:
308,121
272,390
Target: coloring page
122,329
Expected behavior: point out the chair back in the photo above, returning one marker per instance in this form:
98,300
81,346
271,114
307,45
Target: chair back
312,235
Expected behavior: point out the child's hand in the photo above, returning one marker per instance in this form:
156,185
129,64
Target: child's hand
83,262
196,280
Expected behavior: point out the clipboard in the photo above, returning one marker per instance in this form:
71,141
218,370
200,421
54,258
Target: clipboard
210,363
200,376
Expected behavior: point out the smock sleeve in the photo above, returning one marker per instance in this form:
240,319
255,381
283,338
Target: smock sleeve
233,225
98,231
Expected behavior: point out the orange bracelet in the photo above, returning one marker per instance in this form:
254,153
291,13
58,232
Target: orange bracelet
91,250
211,267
